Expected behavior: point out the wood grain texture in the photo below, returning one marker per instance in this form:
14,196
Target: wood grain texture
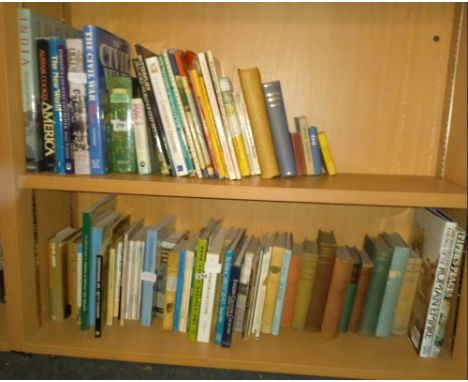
369,75
4,345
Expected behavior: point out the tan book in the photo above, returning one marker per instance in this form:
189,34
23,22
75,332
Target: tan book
72,274
339,283
306,283
407,293
253,94
273,281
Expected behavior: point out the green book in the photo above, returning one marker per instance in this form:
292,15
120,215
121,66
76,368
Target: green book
351,293
306,282
381,255
122,136
90,215
197,278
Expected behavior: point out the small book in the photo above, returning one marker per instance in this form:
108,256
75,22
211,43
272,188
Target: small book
298,153
142,145
326,154
352,288
303,129
316,151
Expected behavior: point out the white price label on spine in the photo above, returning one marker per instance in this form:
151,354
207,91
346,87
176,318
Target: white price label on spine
148,276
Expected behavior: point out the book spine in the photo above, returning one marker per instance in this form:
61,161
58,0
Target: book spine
72,278
158,147
298,153
96,240
223,298
231,307
171,289
281,292
110,287
179,290
48,162
333,311
315,149
242,109
79,277
197,286
350,296
55,287
291,291
360,299
59,140
148,278
326,153
98,301
138,280
118,280
141,137
242,294
30,91
171,93
86,247
261,295
392,291
184,308
304,291
303,130
279,128
252,89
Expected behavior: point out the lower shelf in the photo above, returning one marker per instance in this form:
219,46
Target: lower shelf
3,328
295,352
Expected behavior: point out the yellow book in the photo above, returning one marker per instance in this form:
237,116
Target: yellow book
171,287
326,154
273,282
234,126
212,135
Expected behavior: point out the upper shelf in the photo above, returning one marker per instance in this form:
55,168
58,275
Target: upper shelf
356,189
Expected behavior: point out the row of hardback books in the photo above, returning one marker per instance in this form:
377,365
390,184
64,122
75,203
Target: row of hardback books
218,281
85,114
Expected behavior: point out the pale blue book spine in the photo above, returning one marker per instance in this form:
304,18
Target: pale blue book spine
275,329
392,291
315,148
149,264
179,292
96,241
228,257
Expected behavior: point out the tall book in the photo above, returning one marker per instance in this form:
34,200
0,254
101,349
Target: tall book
154,235
282,285
279,128
392,289
298,153
326,258
142,143
315,150
32,25
58,281
197,277
89,217
352,288
291,286
407,294
106,54
77,97
305,286
273,282
302,128
74,274
251,84
367,266
434,236
336,297
137,254
45,92
381,255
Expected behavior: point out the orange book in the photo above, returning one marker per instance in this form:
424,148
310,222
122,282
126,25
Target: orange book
291,288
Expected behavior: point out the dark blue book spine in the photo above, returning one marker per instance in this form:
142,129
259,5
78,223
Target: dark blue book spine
64,104
173,62
315,148
231,307
279,128
54,43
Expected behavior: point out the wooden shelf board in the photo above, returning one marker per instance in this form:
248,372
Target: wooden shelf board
3,328
356,189
294,351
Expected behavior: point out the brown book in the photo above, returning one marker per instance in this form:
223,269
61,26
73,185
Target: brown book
298,153
339,283
326,259
291,287
361,292
255,102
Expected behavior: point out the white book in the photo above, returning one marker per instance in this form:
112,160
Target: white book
187,284
136,270
167,118
140,129
303,129
212,270
118,277
214,71
216,115
244,279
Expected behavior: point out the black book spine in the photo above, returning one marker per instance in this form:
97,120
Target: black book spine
152,111
231,307
98,325
47,112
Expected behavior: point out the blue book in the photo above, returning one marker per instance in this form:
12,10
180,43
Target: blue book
315,148
227,266
398,264
279,128
275,329
154,236
105,55
179,291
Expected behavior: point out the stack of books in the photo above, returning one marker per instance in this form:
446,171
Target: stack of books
85,114
220,281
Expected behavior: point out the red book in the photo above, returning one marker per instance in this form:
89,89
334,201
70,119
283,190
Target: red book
298,153
291,289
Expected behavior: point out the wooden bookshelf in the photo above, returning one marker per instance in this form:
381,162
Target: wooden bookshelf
387,82
361,189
